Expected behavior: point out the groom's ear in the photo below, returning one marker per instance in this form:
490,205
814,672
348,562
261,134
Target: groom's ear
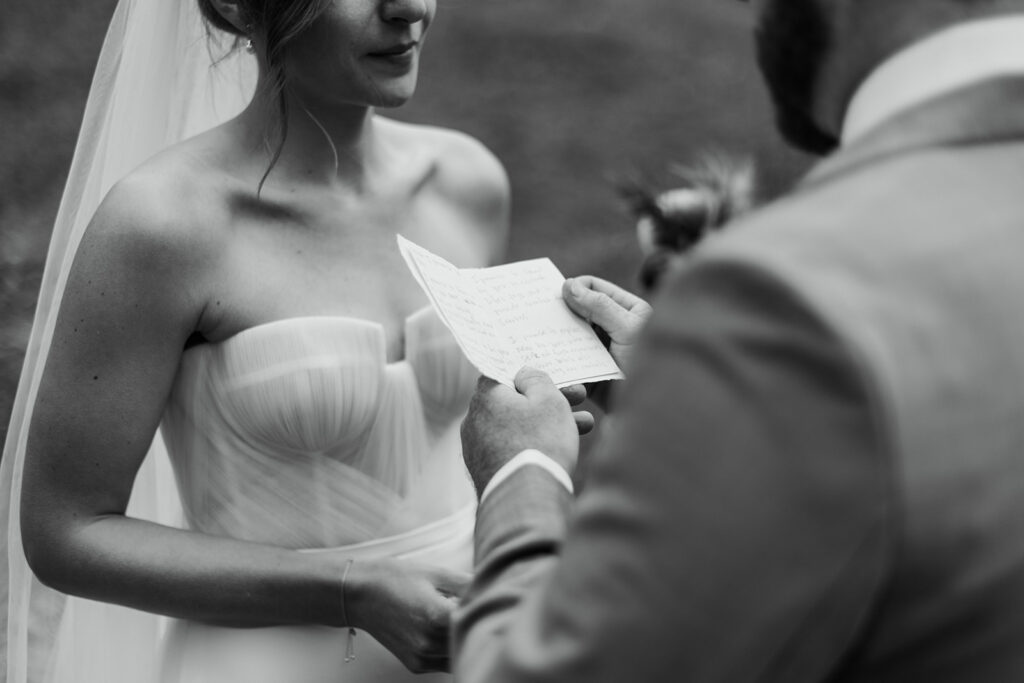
234,13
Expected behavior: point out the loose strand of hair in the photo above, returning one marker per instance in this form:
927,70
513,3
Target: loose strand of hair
278,93
280,22
334,148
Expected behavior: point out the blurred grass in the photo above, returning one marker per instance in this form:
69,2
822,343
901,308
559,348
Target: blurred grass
568,93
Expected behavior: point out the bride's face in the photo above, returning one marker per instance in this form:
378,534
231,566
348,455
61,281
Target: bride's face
362,52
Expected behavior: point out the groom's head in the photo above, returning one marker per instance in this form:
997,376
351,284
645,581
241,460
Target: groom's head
793,39
815,53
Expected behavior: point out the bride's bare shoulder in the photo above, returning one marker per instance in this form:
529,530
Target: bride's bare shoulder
172,201
161,230
468,174
466,166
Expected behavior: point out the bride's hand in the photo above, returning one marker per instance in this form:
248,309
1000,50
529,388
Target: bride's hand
407,607
620,314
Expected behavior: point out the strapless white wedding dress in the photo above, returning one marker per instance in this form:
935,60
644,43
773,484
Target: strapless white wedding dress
298,433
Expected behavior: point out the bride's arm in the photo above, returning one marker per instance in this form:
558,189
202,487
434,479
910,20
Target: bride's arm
137,290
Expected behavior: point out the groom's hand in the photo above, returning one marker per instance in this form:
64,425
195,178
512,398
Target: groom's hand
503,422
620,314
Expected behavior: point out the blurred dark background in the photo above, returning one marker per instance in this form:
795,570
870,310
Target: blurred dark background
570,94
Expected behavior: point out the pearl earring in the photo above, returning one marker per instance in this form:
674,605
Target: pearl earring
249,46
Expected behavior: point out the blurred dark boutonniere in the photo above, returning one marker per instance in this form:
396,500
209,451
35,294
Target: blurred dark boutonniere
671,222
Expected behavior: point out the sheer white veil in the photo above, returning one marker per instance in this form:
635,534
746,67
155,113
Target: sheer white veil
160,78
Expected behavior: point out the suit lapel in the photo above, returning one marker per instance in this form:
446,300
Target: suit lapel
989,111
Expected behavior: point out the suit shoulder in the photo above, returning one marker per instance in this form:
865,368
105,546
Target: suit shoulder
886,203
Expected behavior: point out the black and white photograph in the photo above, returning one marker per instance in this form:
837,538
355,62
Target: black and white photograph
547,341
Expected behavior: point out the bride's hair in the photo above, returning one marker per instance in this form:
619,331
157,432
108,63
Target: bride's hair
274,23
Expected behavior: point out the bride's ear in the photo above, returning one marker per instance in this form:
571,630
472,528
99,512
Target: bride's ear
234,13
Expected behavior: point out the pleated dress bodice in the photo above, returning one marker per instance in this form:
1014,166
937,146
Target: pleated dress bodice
299,433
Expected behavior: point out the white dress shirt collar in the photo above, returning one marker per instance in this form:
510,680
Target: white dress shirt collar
944,62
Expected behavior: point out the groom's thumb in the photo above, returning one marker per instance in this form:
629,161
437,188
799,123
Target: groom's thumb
533,383
595,307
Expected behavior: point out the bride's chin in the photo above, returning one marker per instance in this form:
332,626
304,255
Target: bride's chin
390,103
381,98
394,96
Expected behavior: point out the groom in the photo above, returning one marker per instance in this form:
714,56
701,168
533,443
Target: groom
816,468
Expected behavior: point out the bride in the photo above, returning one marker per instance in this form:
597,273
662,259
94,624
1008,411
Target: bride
241,291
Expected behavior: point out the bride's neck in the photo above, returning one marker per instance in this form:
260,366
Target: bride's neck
331,145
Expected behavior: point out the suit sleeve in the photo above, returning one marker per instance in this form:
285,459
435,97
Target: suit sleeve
736,524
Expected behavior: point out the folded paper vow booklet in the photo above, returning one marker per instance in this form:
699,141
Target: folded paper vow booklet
510,316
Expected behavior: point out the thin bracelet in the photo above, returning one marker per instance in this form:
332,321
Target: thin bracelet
350,648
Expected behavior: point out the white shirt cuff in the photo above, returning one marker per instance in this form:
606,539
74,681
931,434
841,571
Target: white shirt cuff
528,457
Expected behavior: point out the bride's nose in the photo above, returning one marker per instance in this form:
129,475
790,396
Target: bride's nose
406,11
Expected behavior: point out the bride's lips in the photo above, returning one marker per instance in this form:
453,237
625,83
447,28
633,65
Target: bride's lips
400,54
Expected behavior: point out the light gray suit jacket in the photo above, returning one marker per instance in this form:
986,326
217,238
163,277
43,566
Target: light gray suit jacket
817,469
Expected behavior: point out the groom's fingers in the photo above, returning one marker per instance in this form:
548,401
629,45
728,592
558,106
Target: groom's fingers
598,308
624,298
575,395
584,422
489,391
533,383
485,383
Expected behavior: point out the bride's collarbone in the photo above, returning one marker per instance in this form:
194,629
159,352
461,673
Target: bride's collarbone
318,215
328,222
295,195
316,239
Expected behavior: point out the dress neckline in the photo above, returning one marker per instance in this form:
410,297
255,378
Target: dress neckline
345,319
